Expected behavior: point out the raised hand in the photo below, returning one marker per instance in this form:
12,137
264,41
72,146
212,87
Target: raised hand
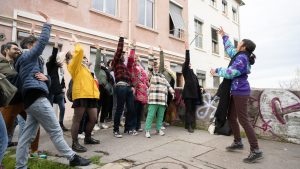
32,29
57,37
47,18
150,50
74,39
221,31
160,48
186,45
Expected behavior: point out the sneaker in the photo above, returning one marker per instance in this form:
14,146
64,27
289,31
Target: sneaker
81,136
78,148
253,156
160,132
148,134
166,124
117,134
96,128
104,126
91,140
79,161
163,128
133,132
235,146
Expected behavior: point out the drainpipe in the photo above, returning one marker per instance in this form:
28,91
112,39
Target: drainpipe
14,28
129,19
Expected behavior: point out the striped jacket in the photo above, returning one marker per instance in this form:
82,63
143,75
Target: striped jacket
158,90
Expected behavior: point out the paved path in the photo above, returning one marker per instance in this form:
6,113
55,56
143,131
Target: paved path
179,149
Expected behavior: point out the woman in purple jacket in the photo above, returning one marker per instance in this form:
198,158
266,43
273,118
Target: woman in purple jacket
243,58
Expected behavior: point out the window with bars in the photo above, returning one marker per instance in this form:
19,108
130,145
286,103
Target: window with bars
224,7
198,33
234,15
215,42
106,6
146,13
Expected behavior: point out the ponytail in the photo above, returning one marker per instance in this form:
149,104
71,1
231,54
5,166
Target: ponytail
252,58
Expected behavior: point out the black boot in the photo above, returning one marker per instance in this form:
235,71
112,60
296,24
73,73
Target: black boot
77,147
63,127
79,161
90,140
190,129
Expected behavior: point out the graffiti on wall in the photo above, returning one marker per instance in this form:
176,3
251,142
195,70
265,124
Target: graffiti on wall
275,113
279,115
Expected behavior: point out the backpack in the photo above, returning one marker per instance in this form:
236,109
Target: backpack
69,91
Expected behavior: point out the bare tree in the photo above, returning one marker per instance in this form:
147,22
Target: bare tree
292,84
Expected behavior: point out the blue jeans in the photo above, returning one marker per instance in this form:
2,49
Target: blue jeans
60,100
41,113
21,123
125,95
3,136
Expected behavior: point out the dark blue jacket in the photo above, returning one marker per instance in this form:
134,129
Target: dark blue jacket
28,64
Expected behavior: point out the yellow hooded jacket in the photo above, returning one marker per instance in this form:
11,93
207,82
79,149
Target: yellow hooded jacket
84,85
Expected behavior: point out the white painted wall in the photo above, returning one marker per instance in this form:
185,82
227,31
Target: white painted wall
203,59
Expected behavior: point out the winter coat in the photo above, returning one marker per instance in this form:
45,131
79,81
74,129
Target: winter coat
84,85
158,90
238,71
139,78
29,63
102,73
191,89
53,69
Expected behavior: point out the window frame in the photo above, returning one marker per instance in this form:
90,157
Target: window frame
198,35
104,10
234,15
145,13
215,42
174,32
213,3
224,7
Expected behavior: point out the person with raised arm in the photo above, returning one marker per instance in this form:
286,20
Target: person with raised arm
191,91
85,95
236,74
38,107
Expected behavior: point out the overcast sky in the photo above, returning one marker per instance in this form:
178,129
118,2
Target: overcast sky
274,25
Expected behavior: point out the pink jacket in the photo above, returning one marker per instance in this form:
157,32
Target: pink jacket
139,78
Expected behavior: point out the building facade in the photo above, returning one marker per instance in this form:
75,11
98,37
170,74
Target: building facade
148,22
206,46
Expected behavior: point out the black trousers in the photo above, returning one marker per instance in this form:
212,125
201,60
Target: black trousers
190,113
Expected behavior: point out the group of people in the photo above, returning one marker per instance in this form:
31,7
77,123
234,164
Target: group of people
122,82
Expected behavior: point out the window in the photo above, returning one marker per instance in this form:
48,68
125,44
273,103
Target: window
234,15
176,25
215,42
216,81
146,11
106,6
224,7
198,34
201,77
213,3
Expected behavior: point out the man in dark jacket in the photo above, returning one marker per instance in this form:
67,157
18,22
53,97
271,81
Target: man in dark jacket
37,106
191,92
57,87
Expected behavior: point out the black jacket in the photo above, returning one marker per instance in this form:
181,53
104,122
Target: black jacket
52,69
191,89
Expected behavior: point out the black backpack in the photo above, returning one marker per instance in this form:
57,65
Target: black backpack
69,91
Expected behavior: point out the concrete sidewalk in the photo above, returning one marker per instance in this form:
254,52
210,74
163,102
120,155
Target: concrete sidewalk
179,149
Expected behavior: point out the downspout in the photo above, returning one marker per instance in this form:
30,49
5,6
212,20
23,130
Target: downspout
129,20
14,27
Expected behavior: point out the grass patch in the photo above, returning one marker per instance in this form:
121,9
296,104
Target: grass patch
9,161
96,160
